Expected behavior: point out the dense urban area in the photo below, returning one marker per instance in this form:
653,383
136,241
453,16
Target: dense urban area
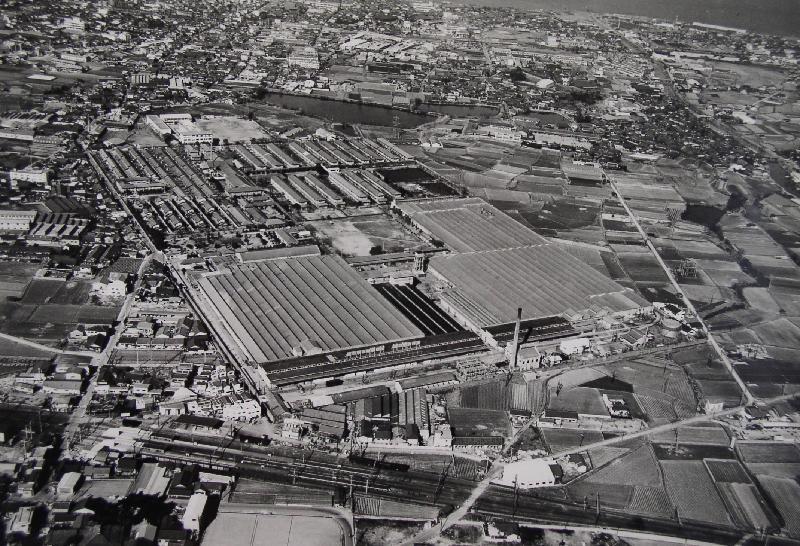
337,272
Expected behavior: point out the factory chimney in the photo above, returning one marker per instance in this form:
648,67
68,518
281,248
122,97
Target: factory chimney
516,338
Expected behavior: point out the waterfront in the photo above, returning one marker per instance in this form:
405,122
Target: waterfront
780,17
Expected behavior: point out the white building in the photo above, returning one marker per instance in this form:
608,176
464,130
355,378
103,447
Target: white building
68,483
28,175
188,133
175,117
528,473
16,220
73,24
194,511
242,411
502,133
21,521
292,428
575,346
158,125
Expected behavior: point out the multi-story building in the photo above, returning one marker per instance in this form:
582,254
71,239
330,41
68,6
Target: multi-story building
16,220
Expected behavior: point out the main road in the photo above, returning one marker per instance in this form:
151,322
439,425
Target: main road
78,416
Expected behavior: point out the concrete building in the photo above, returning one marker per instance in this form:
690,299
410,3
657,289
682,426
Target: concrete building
21,521
194,511
68,483
158,125
16,220
34,176
188,133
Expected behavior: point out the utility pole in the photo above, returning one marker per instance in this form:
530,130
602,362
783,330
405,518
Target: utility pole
597,515
352,503
516,496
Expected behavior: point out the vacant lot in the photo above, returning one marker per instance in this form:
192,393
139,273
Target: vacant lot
232,128
559,439
478,422
14,277
57,292
358,238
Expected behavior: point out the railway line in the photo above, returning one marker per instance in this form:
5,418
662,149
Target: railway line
316,470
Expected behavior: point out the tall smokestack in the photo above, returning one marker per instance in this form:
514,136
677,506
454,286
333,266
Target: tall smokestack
516,338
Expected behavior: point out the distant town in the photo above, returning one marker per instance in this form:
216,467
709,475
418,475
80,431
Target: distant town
333,272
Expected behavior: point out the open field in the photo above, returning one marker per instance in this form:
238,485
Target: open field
273,530
231,128
57,292
478,422
746,505
357,238
10,348
14,277
559,439
692,492
616,496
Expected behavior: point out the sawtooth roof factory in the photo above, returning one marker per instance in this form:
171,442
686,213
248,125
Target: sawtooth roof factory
308,318
497,266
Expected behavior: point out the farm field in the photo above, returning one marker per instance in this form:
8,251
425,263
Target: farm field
580,399
602,455
727,471
616,496
785,495
50,323
778,470
693,493
10,348
639,467
768,452
706,435
745,504
652,501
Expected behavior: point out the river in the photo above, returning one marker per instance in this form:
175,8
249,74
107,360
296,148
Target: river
348,112
370,114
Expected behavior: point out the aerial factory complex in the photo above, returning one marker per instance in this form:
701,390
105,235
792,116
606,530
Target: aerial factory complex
324,272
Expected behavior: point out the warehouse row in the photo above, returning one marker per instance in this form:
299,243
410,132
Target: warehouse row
262,158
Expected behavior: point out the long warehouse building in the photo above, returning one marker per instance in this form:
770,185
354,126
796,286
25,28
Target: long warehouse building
287,308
